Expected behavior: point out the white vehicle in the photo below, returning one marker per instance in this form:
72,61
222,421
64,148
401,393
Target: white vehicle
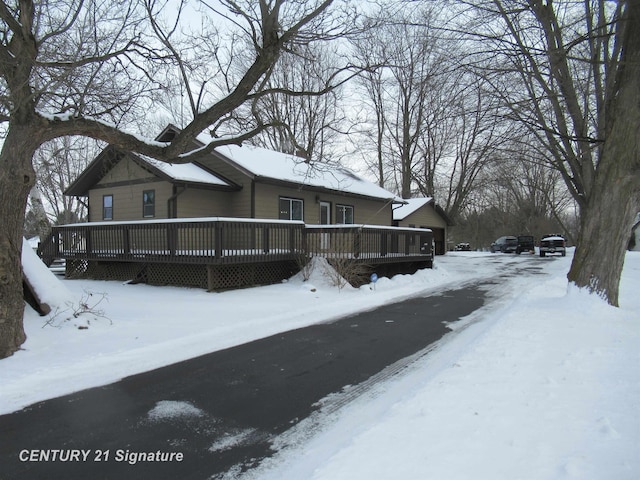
553,244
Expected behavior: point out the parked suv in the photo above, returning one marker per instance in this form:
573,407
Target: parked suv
463,247
525,244
506,244
552,244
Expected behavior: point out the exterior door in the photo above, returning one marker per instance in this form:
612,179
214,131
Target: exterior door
325,213
325,219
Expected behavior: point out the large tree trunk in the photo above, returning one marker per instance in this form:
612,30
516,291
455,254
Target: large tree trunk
17,177
615,197
606,227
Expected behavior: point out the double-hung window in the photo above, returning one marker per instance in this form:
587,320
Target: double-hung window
107,207
291,209
344,214
149,203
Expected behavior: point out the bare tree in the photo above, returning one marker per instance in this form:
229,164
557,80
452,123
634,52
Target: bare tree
515,194
82,68
570,73
372,96
36,221
305,125
465,134
416,64
57,164
435,126
534,192
374,85
399,93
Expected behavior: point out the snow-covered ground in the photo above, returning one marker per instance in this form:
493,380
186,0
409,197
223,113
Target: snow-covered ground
542,383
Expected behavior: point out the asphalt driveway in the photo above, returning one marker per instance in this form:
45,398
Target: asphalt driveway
202,417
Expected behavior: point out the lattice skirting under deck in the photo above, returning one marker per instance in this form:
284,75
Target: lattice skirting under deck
211,277
223,277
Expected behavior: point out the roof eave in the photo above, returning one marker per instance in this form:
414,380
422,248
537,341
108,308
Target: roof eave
105,160
319,188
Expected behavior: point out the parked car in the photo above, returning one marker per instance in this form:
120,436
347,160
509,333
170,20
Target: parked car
552,244
525,244
463,247
506,244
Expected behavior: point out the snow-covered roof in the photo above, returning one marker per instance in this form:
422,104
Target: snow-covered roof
411,205
188,173
185,172
256,162
265,163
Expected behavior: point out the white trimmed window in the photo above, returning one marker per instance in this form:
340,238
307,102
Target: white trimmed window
291,209
149,203
107,207
344,214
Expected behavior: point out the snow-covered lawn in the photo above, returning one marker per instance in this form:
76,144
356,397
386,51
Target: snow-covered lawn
542,383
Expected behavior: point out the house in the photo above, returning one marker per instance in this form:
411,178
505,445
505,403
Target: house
237,216
424,213
232,181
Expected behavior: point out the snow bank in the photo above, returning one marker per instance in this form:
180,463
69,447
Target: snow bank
48,288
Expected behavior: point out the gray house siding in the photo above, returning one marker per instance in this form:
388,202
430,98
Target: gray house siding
365,211
127,200
195,202
425,215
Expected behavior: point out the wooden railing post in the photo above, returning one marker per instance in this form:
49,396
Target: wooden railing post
265,239
56,241
48,247
217,239
87,241
305,242
292,238
172,239
384,248
126,244
357,243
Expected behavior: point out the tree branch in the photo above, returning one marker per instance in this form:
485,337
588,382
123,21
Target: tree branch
7,17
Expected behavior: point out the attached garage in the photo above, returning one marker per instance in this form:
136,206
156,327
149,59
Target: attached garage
424,213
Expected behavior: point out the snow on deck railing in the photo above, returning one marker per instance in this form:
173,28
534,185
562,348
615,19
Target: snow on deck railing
215,240
156,221
344,226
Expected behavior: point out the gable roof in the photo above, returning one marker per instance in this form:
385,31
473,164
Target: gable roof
411,205
185,173
257,163
270,166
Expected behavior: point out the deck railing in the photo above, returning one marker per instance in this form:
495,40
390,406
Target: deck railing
368,242
218,241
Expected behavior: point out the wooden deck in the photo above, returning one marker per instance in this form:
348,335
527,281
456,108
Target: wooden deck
219,242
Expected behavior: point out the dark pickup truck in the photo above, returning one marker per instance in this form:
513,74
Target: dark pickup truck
525,244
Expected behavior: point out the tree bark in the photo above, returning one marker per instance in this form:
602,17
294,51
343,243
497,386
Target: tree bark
17,177
615,197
